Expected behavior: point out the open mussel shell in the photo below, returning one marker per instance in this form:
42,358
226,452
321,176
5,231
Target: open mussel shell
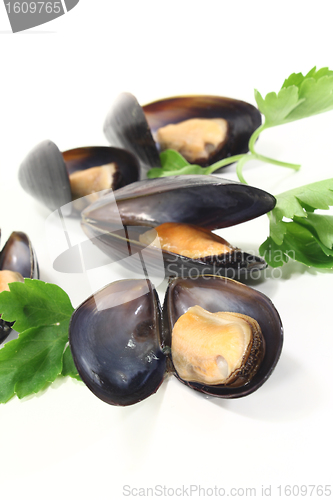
126,127
130,126
204,201
44,174
215,294
122,352
18,256
115,339
242,119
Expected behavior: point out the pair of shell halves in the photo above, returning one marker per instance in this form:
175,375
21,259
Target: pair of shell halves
123,344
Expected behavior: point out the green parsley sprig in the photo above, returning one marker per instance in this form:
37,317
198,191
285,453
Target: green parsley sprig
297,232
40,354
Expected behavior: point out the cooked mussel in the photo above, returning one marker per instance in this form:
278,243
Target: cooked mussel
122,353
187,204
17,261
204,129
216,294
56,179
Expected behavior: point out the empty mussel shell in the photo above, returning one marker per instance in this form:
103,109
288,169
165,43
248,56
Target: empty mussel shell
139,129
126,127
51,176
17,260
122,353
204,201
115,339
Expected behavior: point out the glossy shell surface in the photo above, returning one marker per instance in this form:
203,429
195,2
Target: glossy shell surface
122,353
204,201
126,127
116,344
242,118
44,174
17,255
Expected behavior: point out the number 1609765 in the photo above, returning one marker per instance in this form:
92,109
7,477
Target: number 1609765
34,7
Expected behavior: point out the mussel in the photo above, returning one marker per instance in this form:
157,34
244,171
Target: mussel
123,346
17,261
202,203
202,128
56,179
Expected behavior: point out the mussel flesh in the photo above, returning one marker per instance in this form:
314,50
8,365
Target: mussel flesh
204,129
122,353
56,179
17,261
191,206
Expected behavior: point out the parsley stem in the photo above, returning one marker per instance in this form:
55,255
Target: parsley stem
239,167
254,138
263,158
223,163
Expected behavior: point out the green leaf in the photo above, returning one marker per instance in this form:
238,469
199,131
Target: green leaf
277,107
41,312
273,254
299,201
297,78
321,227
300,97
172,160
298,244
173,163
69,368
297,232
34,303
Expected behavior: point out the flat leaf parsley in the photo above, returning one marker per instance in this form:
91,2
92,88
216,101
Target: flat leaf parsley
41,312
297,232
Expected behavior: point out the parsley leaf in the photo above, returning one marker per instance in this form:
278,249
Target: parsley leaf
69,368
31,362
300,97
307,236
173,163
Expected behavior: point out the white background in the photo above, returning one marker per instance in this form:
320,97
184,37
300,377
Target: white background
57,82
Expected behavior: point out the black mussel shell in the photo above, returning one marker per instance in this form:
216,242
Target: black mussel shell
205,201
5,329
243,119
130,126
126,127
18,256
122,352
115,339
44,174
215,293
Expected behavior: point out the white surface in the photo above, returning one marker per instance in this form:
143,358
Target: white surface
58,82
